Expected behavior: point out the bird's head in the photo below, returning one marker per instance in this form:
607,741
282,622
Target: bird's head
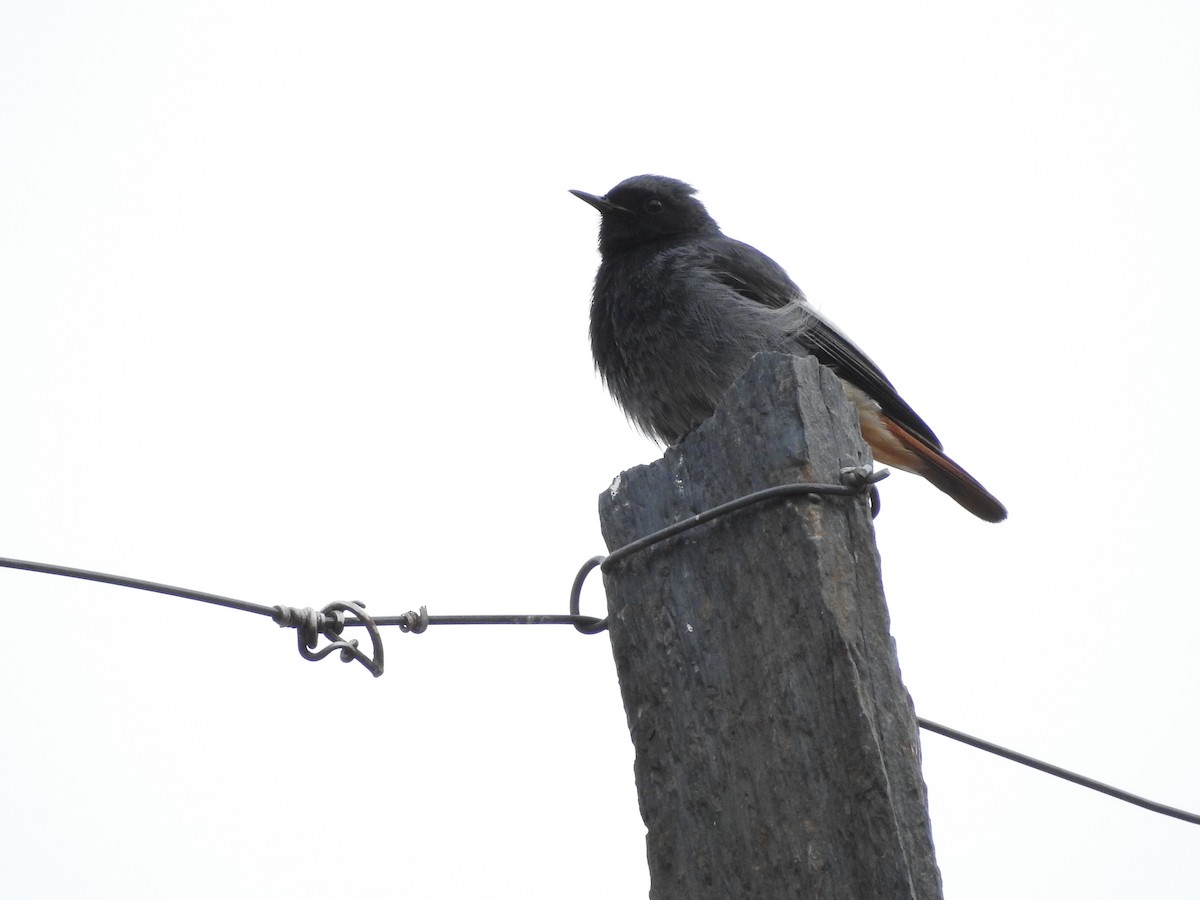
645,209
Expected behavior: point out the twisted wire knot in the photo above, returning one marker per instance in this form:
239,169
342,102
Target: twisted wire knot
414,622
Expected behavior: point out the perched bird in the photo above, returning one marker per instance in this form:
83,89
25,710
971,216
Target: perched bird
679,310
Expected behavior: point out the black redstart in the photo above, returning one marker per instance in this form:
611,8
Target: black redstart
679,310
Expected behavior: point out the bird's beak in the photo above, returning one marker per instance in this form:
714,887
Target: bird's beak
601,203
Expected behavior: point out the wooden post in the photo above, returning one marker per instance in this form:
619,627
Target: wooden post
776,748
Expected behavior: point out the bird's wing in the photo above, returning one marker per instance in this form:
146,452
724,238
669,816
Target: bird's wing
756,277
749,272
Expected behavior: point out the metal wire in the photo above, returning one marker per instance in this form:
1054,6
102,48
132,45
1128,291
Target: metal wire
1059,772
412,621
138,584
309,623
856,480
329,622
597,625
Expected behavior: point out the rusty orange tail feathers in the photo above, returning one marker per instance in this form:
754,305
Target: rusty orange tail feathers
895,445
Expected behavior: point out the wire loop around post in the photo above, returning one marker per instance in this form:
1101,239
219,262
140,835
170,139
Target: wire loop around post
866,478
577,589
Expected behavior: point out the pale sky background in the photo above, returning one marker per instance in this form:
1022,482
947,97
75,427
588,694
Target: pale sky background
295,310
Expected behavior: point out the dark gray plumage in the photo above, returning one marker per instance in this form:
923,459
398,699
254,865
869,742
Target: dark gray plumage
679,310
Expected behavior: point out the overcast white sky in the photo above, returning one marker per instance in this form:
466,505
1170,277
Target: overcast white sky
295,309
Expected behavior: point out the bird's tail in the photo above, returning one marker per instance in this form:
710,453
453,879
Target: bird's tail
905,450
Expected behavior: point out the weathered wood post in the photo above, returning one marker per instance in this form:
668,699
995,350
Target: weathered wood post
776,748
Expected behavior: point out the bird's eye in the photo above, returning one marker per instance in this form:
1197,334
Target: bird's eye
653,205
